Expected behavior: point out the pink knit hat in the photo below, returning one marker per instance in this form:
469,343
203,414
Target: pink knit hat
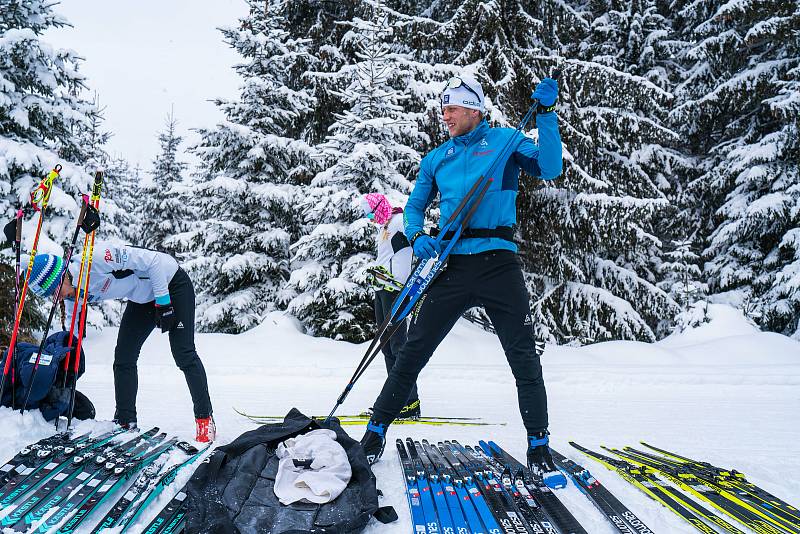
378,206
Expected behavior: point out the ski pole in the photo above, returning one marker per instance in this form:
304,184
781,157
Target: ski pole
98,186
79,286
13,233
40,197
17,268
426,272
368,358
56,300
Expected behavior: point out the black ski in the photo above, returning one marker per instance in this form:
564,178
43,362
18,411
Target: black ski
559,515
514,485
617,513
170,516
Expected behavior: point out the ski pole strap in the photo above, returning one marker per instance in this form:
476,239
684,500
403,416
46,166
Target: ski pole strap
41,194
378,428
534,441
501,232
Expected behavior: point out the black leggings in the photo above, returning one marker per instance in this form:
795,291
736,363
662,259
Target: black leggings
493,280
383,307
137,323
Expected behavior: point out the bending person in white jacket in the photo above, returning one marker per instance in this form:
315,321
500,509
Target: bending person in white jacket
159,293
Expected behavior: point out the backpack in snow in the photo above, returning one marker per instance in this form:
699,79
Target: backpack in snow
46,393
233,490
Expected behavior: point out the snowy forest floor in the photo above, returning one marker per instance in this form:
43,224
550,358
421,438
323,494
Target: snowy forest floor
724,392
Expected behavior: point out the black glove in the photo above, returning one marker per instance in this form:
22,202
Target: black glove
91,219
10,230
165,317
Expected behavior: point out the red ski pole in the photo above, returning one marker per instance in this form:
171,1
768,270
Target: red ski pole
39,198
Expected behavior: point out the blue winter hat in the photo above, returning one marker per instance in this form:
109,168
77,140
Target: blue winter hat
46,274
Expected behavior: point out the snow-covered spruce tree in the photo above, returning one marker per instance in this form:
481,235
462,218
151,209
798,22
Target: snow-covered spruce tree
739,109
588,240
681,278
245,189
122,188
41,114
163,209
367,149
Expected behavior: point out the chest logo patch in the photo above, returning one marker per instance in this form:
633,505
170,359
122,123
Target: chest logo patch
450,152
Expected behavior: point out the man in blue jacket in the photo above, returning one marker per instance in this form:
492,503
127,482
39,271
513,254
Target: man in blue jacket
483,268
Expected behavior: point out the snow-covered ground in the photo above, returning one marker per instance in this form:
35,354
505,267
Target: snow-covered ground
723,392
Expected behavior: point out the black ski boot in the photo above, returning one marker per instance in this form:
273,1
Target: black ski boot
540,462
374,441
412,411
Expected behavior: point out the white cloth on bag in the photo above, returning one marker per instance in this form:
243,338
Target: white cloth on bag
327,476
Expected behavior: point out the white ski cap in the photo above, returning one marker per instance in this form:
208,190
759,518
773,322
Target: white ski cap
467,93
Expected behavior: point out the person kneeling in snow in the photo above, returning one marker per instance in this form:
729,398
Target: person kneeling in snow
159,293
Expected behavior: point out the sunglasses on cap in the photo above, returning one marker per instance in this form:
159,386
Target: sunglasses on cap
455,82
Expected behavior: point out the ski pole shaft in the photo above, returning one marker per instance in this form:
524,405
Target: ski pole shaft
18,246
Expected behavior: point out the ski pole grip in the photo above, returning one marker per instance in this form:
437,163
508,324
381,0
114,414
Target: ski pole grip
19,226
98,185
82,214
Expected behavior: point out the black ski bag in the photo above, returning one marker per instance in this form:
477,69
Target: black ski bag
233,490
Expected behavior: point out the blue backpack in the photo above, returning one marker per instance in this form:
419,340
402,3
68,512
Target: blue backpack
46,393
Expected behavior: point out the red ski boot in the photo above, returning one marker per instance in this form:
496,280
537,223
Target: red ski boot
206,430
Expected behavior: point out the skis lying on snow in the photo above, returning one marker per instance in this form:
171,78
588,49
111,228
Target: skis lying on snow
171,518
58,491
551,507
71,478
147,487
362,419
732,480
34,455
617,513
654,483
751,512
37,462
456,489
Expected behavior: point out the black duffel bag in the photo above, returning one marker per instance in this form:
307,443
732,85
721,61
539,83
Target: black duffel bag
233,491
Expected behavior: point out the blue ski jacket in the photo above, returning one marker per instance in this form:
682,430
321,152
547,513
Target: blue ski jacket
452,168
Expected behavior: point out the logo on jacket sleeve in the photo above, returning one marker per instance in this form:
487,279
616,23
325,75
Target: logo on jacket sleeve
108,257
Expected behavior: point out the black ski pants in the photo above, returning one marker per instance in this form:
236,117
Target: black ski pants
383,307
138,322
490,279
